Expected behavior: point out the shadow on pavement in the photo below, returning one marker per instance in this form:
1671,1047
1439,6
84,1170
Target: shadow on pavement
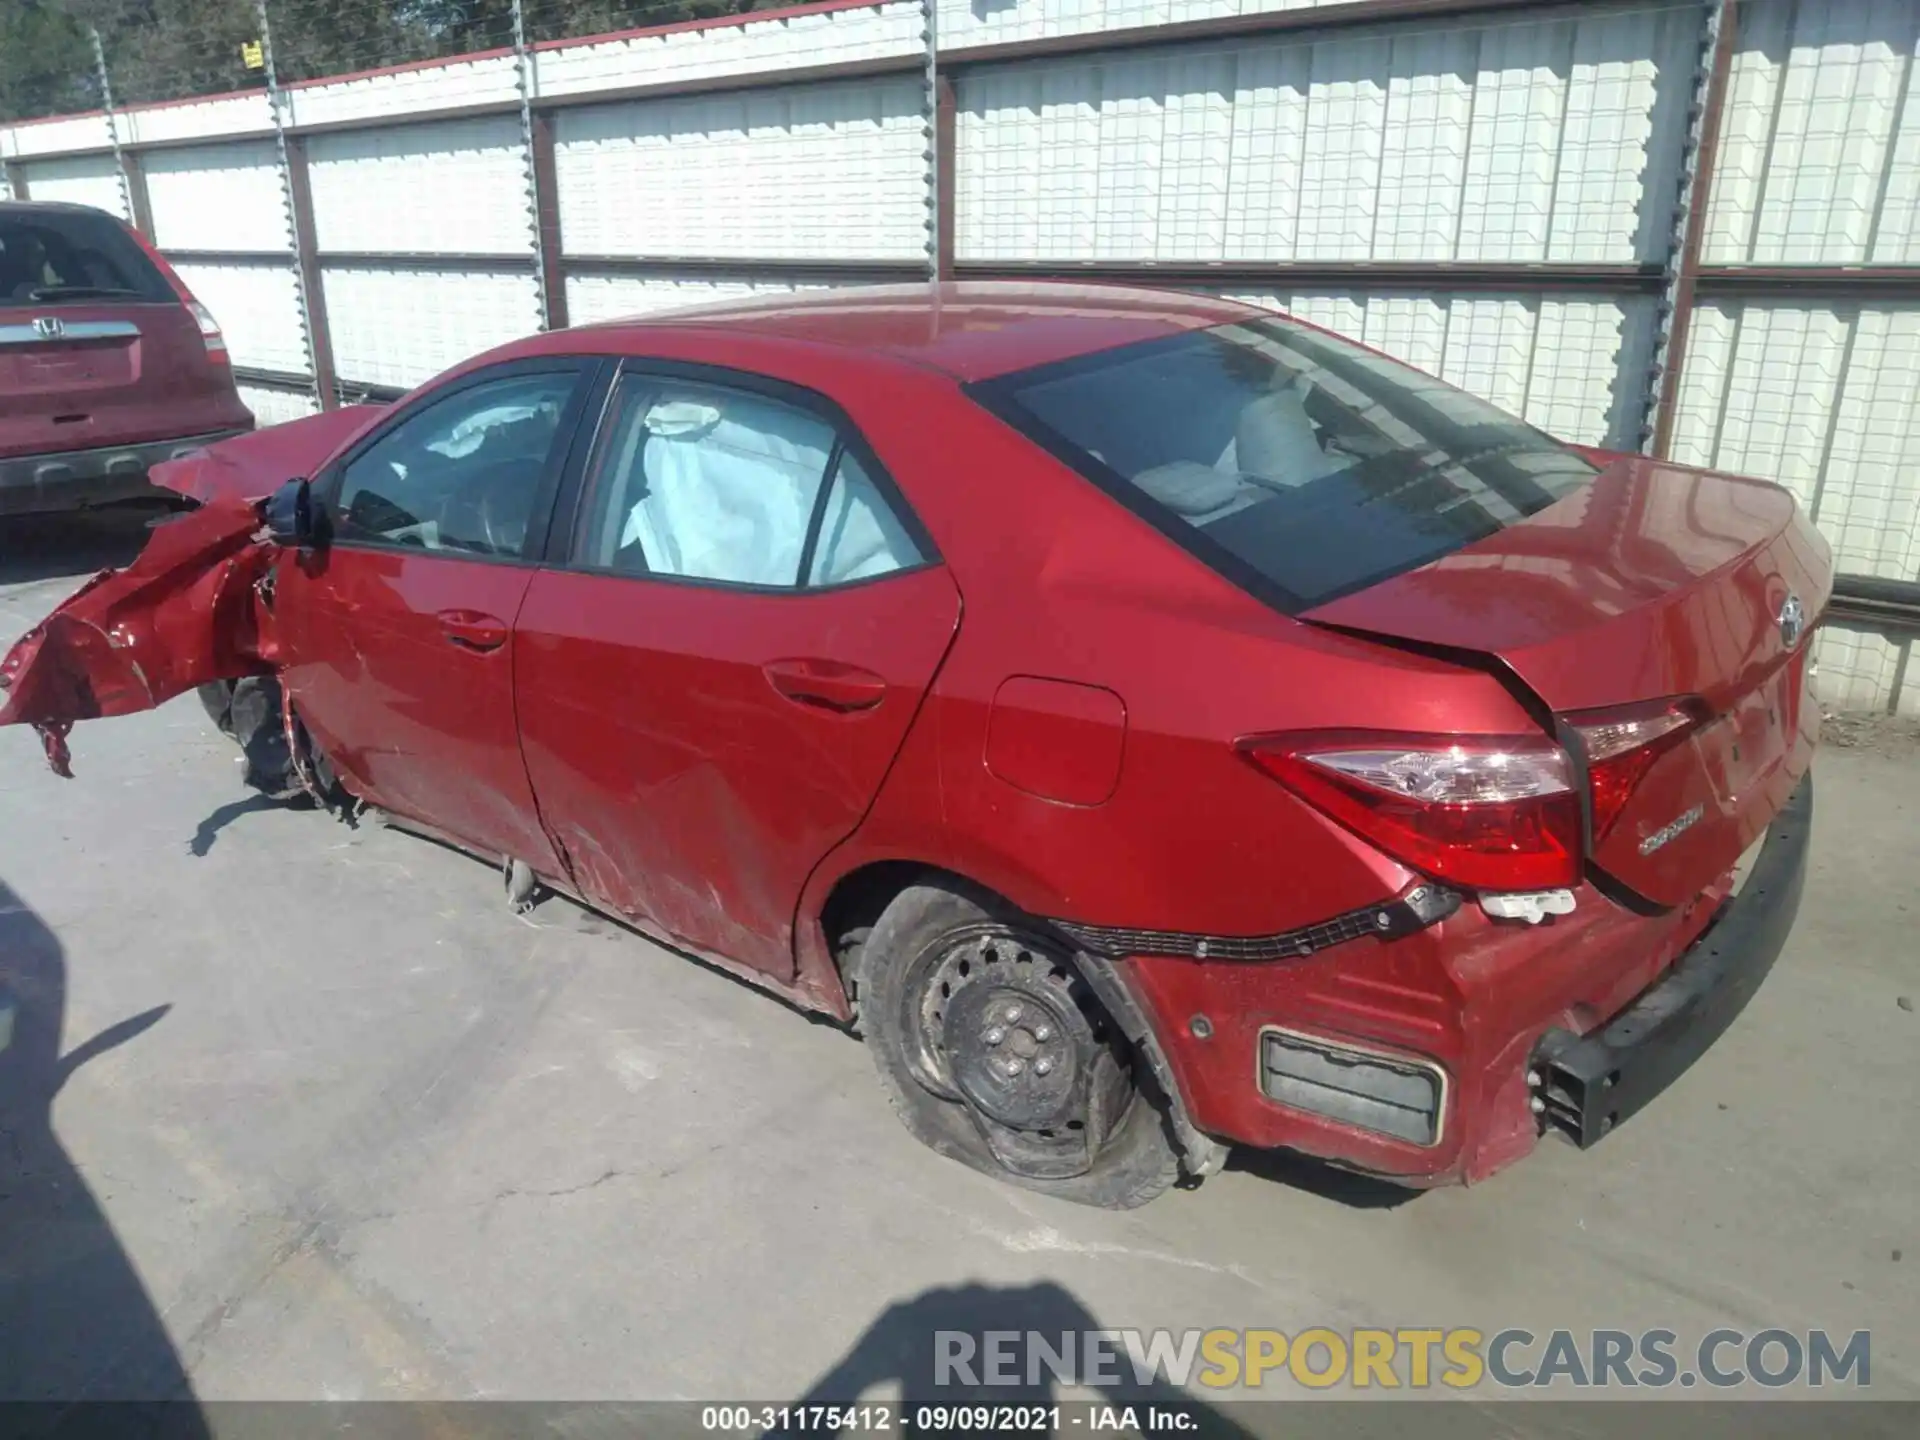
76,1324
75,545
209,829
903,1349
1317,1177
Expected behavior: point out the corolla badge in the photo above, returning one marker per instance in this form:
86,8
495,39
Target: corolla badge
1686,820
1792,620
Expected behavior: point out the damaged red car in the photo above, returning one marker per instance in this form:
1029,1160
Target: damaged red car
1156,723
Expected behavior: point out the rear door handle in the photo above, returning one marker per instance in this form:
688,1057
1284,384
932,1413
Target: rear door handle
472,630
827,684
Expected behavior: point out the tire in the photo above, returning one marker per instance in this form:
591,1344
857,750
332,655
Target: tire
248,711
218,698
951,989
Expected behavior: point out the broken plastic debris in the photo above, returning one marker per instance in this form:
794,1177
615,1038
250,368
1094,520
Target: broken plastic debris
1531,906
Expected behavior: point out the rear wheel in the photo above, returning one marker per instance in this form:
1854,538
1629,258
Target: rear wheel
996,1053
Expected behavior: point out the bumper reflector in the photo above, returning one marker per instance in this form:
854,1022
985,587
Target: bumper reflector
1398,1098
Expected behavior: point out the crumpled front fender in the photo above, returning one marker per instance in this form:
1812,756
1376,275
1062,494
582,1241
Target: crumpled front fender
194,607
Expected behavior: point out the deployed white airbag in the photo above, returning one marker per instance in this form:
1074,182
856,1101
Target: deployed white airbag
729,488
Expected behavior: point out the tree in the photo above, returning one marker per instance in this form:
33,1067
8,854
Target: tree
176,49
46,67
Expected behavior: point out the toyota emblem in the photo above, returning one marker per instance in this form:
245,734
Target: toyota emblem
48,327
1793,621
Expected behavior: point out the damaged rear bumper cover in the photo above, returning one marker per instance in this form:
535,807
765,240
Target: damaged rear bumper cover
1591,1083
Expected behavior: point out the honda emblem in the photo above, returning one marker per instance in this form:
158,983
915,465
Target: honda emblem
48,327
1793,621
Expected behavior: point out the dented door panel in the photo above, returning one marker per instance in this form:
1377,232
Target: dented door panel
697,749
388,667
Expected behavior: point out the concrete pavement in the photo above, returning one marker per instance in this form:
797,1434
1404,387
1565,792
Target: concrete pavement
362,1133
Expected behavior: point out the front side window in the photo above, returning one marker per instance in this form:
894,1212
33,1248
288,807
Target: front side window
1316,465
460,474
708,483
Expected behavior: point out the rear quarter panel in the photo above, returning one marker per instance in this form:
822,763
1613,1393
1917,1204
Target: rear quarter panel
1059,581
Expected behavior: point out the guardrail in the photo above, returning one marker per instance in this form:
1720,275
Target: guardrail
1869,602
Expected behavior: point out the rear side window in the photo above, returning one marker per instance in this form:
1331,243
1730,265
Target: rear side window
51,257
704,482
860,536
1299,465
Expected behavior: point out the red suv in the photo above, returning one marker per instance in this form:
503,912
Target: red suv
108,365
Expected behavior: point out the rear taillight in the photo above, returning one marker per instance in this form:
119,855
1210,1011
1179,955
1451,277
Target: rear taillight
215,342
1621,747
1489,812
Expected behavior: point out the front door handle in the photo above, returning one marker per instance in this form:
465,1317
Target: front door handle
827,684
472,630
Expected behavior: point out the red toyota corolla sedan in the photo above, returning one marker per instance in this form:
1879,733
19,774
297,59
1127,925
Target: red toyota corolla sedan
1157,723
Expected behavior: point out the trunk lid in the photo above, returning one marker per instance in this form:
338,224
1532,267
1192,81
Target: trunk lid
1654,583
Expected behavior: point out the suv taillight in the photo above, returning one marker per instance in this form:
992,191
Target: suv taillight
216,343
1488,812
1622,745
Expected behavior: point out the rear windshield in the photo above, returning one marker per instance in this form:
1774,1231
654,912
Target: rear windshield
1300,465
55,257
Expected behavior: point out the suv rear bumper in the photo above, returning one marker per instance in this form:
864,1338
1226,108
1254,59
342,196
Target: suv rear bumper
76,478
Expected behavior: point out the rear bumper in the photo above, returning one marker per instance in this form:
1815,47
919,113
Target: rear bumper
1591,1083
72,479
1606,1005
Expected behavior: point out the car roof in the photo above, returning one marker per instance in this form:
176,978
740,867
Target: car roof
972,329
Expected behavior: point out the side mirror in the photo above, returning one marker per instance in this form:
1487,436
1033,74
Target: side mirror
292,517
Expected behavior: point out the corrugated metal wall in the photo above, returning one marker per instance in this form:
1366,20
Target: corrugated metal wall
810,172
1533,141
1820,165
591,298
436,203
82,180
1574,365
1542,147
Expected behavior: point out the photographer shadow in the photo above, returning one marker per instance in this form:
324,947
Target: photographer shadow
76,1323
931,1350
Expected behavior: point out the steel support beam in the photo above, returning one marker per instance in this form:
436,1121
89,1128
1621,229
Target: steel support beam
1670,356
1361,274
946,153
133,176
546,203
842,270
313,288
1858,282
